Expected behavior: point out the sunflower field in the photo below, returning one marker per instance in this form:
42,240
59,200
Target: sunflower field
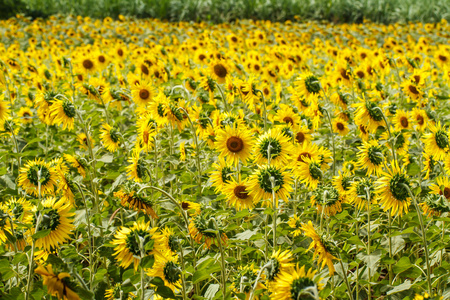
142,159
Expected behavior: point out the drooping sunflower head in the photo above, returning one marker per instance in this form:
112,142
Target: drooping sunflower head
309,171
222,174
308,84
59,284
244,279
203,230
110,137
295,223
116,292
371,157
63,112
131,200
280,261
168,269
437,141
360,191
435,205
342,183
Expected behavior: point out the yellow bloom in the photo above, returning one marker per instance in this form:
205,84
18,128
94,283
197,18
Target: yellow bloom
436,142
57,284
38,171
168,269
238,194
273,148
296,284
371,157
110,137
234,144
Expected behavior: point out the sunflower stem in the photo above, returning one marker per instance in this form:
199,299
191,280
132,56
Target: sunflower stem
275,210
391,274
88,218
223,97
389,131
197,150
183,280
252,292
332,141
424,237
368,241
349,290
222,260
265,109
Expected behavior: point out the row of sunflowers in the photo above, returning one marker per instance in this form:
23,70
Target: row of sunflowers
142,159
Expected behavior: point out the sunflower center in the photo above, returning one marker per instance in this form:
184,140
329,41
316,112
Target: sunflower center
344,74
240,192
172,272
314,170
441,138
220,71
32,175
50,220
270,146
446,192
420,120
88,64
312,84
144,69
363,129
416,78
373,111
397,187
303,155
375,155
26,115
120,52
235,144
340,126
133,240
101,59
360,74
226,174
288,120
69,109
298,287
413,89
265,182
144,94
442,57
300,137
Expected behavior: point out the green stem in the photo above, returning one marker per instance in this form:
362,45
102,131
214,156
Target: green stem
389,131
332,141
223,97
222,261
265,109
349,290
368,241
391,274
424,238
183,280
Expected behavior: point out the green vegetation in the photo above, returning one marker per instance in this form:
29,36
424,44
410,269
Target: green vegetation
381,11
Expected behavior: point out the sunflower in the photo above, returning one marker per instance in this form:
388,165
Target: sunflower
322,248
86,65
191,207
248,91
82,139
168,269
243,280
110,137
286,115
147,131
430,163
401,140
327,200
4,110
436,142
158,109
279,262
238,194
137,170
219,70
56,218
58,285
442,187
340,126
273,148
371,157
308,84
25,114
358,193
412,90
182,151
172,240
132,200
302,135
5,224
36,171
308,171
133,243
421,118
268,180
363,132
342,183
63,112
368,114
221,175
434,205
142,93
234,144
340,99
296,284
391,189
20,209
76,163
65,184
176,114
203,231
402,120
116,292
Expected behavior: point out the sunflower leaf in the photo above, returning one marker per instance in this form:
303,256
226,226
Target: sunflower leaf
41,234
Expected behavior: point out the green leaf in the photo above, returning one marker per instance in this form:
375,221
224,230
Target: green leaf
148,261
203,274
246,235
399,288
41,234
165,292
212,290
19,258
402,265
